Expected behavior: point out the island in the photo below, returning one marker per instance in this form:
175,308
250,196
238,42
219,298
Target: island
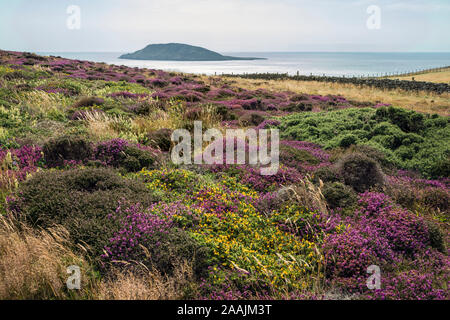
179,52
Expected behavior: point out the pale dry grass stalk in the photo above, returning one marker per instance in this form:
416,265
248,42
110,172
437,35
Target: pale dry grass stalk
308,195
146,285
174,118
102,126
41,103
33,264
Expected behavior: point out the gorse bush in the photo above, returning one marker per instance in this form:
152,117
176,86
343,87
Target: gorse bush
407,139
80,200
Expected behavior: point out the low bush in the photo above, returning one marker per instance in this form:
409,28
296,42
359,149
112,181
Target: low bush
360,172
120,153
339,195
251,119
88,102
160,139
80,200
66,148
149,237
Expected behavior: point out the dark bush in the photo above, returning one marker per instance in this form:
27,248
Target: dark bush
374,154
298,107
437,239
440,169
251,119
120,154
76,148
134,159
339,195
348,140
299,97
80,200
225,113
165,250
160,139
408,121
360,172
89,102
437,198
327,174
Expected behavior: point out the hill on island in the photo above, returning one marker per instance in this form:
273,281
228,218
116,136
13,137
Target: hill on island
179,52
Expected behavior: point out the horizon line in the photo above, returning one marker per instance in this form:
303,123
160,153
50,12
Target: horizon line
314,51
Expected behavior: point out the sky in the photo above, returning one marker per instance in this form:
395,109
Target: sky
226,25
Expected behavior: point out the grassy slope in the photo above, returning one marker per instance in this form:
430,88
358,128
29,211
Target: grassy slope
251,236
438,77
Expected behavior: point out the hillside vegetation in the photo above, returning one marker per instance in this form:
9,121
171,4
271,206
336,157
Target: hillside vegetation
86,179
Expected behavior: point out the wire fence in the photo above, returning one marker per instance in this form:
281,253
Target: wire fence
361,76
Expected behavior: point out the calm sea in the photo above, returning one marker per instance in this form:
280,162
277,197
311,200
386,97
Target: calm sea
317,63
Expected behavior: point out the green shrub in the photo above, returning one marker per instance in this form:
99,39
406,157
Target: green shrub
339,195
347,140
176,245
440,168
58,150
80,200
437,239
134,159
409,140
327,174
360,172
407,121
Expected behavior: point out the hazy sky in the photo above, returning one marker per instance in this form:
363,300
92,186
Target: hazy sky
226,25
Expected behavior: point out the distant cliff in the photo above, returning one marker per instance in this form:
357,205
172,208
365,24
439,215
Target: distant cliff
179,52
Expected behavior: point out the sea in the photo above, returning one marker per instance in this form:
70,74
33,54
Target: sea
303,63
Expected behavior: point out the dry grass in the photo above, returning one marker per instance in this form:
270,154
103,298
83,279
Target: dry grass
438,77
149,285
421,102
174,117
41,103
33,264
308,195
102,127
